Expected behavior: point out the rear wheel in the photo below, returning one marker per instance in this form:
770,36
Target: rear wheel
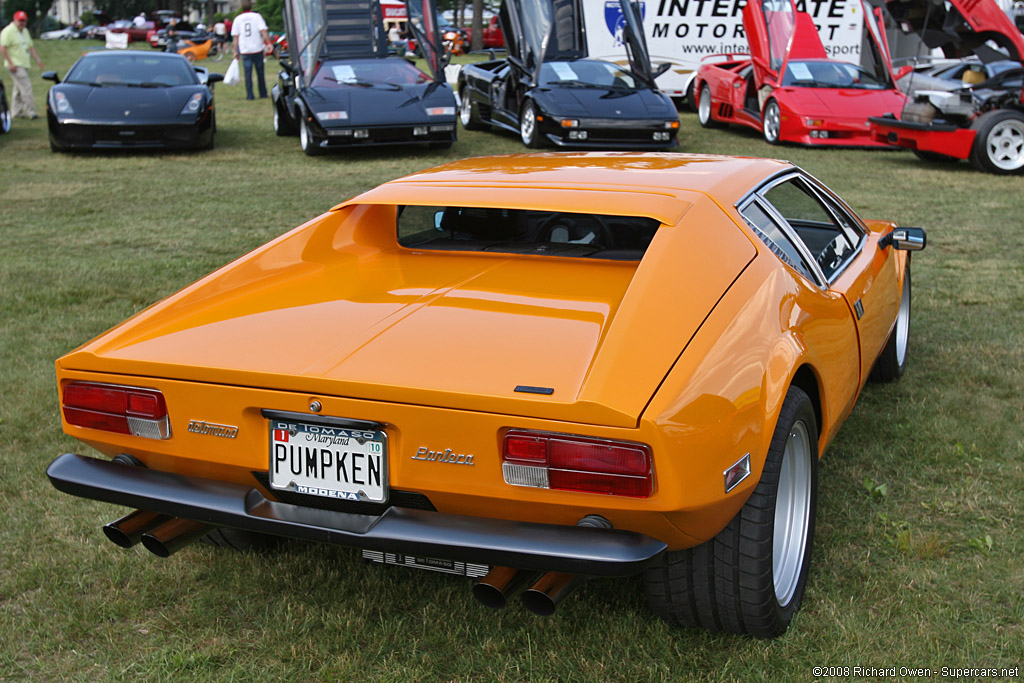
5,115
892,362
528,126
771,122
469,114
999,143
750,578
190,57
283,124
310,143
704,105
691,102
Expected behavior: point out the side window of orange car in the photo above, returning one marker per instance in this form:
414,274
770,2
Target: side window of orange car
825,232
772,235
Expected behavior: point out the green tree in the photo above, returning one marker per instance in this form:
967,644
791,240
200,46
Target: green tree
35,9
273,13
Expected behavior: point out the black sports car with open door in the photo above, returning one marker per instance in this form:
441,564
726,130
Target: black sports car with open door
551,94
131,99
341,89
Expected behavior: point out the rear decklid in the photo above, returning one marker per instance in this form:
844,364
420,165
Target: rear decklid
336,307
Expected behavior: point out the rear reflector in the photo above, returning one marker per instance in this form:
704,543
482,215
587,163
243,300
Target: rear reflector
113,408
577,463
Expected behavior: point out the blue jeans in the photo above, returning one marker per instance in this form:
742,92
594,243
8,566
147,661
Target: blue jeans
248,60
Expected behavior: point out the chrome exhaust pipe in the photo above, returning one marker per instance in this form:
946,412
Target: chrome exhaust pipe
173,535
493,590
550,589
128,531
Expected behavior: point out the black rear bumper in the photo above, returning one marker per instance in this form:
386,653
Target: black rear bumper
524,545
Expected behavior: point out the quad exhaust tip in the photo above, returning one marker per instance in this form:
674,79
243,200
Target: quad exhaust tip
550,589
162,535
543,596
127,531
493,590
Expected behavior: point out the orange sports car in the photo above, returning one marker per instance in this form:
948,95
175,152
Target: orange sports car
527,369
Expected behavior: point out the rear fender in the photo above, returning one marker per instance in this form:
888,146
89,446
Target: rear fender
723,397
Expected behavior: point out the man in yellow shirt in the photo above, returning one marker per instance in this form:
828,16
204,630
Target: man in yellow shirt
15,46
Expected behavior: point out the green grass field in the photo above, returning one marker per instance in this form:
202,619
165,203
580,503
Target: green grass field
917,555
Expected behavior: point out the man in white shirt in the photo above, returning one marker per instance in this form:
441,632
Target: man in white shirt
249,35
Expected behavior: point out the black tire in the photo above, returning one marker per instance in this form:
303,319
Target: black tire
309,143
469,112
747,580
528,126
771,122
691,101
704,106
237,539
283,124
935,157
5,115
892,362
999,144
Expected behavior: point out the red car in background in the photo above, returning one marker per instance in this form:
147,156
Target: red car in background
788,88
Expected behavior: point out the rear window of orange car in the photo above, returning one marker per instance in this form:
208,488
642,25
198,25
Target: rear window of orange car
523,231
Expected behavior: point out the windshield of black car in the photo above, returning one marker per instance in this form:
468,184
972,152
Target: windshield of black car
827,74
587,73
522,231
131,70
368,73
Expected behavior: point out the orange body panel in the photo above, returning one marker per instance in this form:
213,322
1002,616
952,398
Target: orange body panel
690,350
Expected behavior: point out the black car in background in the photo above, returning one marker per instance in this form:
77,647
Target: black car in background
130,99
341,88
551,94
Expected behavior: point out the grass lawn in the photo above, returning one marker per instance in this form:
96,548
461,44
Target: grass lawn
917,555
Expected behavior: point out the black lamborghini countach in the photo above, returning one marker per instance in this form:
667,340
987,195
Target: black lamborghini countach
551,94
131,99
340,88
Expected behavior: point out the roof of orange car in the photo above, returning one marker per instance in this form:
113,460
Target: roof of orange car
643,183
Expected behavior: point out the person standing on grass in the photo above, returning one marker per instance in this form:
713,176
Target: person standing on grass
250,38
15,46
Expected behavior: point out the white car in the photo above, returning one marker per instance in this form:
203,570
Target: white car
66,33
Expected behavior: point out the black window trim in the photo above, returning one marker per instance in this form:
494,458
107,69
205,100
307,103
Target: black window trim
816,276
832,204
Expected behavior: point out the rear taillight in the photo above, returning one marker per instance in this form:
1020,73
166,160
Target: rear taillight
113,408
577,463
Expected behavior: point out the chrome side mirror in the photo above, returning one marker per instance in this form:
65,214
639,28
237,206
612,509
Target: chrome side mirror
907,239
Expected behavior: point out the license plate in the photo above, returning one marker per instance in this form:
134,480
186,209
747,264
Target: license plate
333,462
